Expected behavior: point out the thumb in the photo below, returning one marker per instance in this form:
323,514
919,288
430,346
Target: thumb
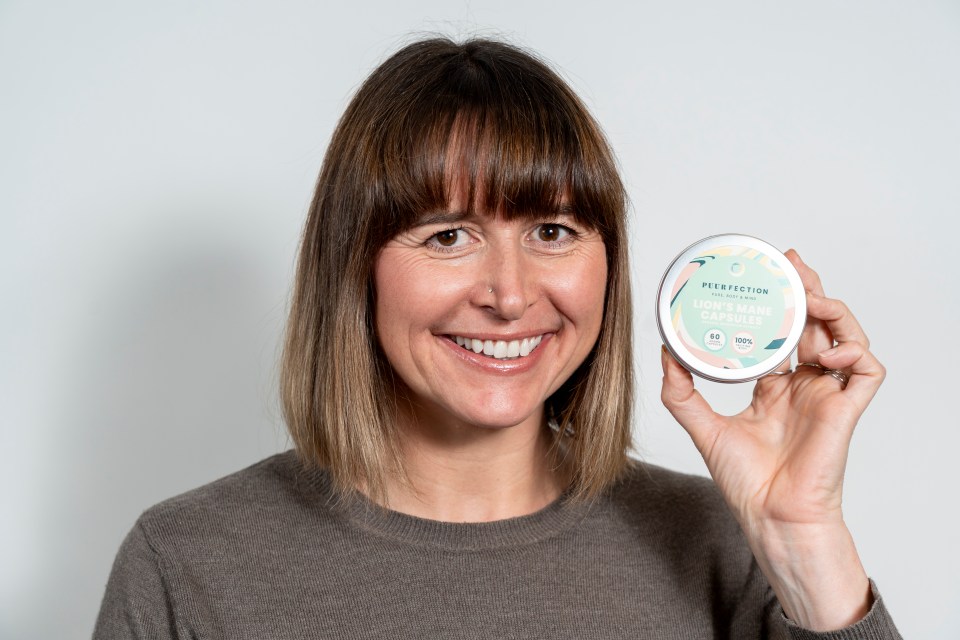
686,404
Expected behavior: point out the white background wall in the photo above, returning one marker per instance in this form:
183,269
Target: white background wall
157,159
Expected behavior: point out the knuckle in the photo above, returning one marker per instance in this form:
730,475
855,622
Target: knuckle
665,396
841,308
836,310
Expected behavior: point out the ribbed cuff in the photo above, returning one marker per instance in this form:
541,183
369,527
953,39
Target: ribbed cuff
876,625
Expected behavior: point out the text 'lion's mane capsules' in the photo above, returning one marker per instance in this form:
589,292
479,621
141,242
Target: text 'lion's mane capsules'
731,308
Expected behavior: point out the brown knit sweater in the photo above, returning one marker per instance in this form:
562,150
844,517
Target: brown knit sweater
263,554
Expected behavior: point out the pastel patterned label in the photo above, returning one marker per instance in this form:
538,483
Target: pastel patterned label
732,307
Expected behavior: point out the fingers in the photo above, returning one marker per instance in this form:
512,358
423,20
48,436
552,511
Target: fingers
816,337
809,277
686,404
828,320
866,371
838,319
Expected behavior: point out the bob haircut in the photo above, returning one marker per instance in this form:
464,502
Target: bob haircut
523,141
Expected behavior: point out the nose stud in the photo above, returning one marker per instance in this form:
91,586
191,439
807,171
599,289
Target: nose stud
489,289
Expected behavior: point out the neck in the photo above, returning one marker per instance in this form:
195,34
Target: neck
464,473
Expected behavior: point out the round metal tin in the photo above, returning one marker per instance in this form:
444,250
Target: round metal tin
731,308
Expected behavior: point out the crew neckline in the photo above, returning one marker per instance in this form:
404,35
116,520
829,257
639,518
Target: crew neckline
361,512
539,525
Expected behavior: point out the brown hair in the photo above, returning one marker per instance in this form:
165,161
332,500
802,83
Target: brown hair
525,140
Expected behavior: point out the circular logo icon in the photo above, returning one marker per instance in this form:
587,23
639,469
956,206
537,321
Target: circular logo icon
714,339
743,342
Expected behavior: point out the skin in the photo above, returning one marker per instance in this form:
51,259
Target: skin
780,462
475,444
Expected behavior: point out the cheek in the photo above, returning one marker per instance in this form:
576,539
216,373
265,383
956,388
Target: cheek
391,285
409,297
581,291
598,292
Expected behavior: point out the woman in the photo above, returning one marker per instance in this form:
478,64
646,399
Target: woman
457,382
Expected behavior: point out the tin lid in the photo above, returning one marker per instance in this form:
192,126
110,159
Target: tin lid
731,308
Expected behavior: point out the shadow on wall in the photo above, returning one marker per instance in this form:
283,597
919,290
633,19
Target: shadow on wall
171,385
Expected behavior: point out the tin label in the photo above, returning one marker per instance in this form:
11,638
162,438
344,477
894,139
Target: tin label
732,307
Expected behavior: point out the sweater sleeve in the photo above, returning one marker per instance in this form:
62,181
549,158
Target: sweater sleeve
137,603
876,625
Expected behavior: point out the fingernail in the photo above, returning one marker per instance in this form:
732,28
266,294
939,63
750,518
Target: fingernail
828,352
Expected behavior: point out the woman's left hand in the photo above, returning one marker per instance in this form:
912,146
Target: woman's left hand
780,462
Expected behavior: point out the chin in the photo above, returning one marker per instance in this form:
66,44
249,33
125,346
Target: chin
489,418
496,425
481,406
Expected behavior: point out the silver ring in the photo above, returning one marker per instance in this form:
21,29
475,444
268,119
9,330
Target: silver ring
839,376
779,373
836,374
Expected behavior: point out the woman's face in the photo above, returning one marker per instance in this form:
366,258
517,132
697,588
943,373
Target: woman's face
483,318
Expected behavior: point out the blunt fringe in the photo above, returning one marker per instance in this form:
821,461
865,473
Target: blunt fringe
524,141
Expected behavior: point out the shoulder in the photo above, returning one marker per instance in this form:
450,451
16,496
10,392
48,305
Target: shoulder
258,481
258,502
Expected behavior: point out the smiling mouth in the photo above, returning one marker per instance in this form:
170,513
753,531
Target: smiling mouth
499,349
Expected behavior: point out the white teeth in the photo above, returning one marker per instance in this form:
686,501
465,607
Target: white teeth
524,347
500,349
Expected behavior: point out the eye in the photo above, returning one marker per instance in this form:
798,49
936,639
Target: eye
449,240
553,233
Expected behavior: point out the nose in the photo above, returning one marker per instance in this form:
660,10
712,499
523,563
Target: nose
507,288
